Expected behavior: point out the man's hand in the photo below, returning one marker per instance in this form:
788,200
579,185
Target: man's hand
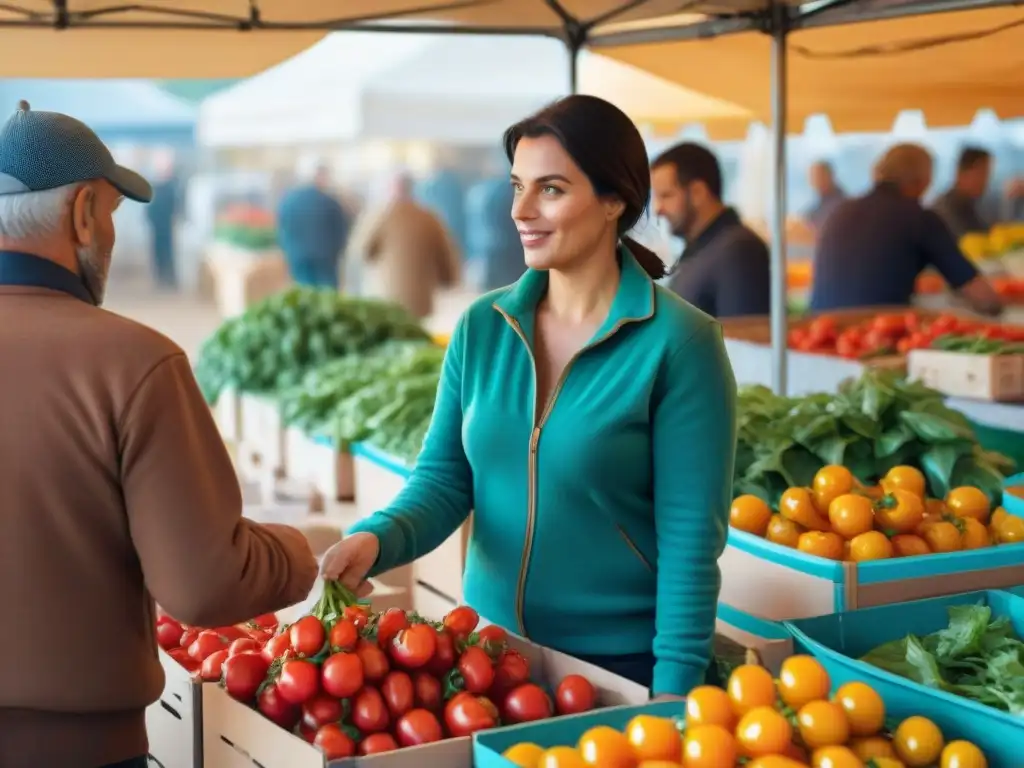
350,560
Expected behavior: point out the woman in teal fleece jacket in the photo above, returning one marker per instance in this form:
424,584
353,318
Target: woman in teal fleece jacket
587,417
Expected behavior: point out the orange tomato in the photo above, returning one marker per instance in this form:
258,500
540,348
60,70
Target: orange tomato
967,501
909,545
918,742
851,515
524,755
871,546
872,747
998,515
835,757
783,531
751,514
710,705
934,508
561,757
942,537
1011,530
973,534
905,479
829,483
606,747
822,724
750,687
797,505
775,761
802,679
763,731
822,544
962,754
900,511
864,708
709,746
657,738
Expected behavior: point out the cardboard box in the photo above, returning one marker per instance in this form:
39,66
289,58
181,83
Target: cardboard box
774,582
235,736
764,642
243,278
314,460
996,378
262,449
174,721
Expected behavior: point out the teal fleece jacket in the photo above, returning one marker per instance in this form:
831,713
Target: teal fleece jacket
598,518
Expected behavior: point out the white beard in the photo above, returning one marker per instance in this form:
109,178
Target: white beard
94,270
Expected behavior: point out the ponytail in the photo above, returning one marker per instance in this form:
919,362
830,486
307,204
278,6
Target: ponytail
646,258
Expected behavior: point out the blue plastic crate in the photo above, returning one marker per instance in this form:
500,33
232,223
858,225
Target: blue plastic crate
839,640
489,746
1011,503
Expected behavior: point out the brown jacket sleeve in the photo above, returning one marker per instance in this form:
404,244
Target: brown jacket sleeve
203,563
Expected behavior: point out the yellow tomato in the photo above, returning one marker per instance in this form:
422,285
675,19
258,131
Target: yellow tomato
797,505
918,742
835,757
974,534
802,679
524,755
710,705
967,501
872,747
935,508
998,515
561,757
606,747
905,479
909,545
774,761
829,483
888,762
864,708
763,731
871,546
900,511
750,687
709,746
1011,530
822,724
657,738
851,515
962,754
658,764
751,514
942,537
783,531
821,544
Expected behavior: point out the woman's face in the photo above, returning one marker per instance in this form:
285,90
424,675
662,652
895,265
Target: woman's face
561,220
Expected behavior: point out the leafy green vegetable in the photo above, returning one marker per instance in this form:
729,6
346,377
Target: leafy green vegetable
276,342
976,344
975,656
872,424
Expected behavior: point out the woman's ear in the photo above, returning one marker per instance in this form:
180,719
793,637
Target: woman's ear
83,216
614,208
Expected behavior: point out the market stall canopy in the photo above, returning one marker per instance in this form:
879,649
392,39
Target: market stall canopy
118,110
948,65
462,89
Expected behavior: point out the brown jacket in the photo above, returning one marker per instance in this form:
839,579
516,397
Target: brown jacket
115,489
404,254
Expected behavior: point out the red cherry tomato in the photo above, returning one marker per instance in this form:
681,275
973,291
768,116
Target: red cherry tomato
231,633
575,694
444,655
418,727
343,636
206,642
181,656
493,635
320,710
307,636
398,692
414,647
511,671
168,633
266,621
428,691
378,743
276,647
211,668
369,711
526,704
243,675
342,675
334,742
357,614
461,621
242,645
391,622
273,707
476,669
375,661
466,714
188,636
299,680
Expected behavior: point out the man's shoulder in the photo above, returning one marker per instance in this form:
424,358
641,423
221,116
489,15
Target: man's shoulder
744,245
130,339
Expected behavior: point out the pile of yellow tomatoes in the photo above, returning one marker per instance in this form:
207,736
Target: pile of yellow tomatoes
838,518
759,722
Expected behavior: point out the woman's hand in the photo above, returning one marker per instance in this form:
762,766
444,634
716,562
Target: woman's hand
350,560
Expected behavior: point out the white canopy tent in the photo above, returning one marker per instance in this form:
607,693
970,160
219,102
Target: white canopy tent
457,89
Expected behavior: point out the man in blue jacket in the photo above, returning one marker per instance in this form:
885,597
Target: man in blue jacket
312,230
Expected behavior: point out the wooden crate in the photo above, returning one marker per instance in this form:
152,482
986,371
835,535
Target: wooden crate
996,378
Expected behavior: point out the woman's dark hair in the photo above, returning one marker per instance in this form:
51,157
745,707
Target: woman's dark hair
608,148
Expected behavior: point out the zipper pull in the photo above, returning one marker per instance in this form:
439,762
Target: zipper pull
534,439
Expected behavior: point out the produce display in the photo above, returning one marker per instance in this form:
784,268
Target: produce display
353,682
276,342
246,227
384,397
977,656
981,343
873,424
889,334
759,722
838,518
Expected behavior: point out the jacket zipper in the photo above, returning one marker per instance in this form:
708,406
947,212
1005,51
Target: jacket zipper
531,466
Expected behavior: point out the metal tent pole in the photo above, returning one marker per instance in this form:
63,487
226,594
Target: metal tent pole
779,325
